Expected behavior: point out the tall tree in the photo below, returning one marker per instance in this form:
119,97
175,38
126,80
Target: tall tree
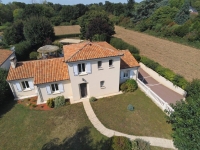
37,30
183,15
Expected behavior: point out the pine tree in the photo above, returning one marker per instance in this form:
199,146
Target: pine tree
183,15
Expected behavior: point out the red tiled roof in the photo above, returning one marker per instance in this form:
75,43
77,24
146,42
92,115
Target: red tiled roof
4,55
128,61
43,71
88,50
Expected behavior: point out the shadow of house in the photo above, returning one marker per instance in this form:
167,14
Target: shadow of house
142,78
80,141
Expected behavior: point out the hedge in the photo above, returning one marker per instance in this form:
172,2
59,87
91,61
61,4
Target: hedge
121,45
67,36
176,79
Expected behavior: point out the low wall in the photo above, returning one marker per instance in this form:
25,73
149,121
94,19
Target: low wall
162,80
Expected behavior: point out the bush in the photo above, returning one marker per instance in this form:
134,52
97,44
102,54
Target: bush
92,99
149,63
130,107
193,89
59,101
22,50
140,144
120,143
33,55
50,102
129,86
137,57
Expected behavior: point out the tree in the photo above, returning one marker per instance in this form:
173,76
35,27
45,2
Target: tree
22,50
95,22
37,30
193,89
186,124
183,15
4,88
14,34
129,8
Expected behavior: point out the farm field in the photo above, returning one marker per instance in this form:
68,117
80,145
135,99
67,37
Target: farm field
62,30
183,60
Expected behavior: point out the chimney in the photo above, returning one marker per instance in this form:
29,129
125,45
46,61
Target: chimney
13,62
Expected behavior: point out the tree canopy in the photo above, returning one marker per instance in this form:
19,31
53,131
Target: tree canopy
37,30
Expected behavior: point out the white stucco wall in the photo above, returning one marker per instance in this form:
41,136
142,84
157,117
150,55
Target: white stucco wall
6,64
22,94
109,75
135,71
42,87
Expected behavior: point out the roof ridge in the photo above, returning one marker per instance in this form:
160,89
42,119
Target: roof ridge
103,47
29,61
78,50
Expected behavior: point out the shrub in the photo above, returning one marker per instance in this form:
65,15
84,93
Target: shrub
59,101
33,55
50,102
137,57
129,86
149,63
130,107
120,143
193,89
93,99
22,50
142,145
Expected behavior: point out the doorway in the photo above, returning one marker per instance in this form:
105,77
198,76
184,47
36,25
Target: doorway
83,88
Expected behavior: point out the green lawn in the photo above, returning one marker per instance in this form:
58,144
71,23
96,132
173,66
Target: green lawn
146,120
63,128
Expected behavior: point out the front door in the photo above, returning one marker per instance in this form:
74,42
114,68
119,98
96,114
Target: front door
83,88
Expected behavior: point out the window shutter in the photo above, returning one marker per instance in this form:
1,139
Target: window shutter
18,87
48,89
31,85
121,74
131,74
75,69
61,88
88,68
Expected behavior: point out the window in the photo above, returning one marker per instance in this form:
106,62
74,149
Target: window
110,63
102,84
25,85
81,68
99,64
54,87
126,74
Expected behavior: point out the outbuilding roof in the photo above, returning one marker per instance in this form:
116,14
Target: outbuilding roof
4,55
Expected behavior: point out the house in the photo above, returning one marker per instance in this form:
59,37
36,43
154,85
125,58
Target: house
193,10
5,56
87,69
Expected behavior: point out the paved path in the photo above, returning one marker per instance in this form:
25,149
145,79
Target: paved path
160,142
162,91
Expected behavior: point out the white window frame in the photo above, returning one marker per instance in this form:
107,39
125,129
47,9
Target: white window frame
102,84
25,85
126,74
54,86
81,68
99,67
110,66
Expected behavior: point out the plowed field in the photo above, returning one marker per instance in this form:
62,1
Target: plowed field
183,60
61,30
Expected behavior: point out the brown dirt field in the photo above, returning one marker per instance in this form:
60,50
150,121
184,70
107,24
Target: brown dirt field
181,59
1,33
61,30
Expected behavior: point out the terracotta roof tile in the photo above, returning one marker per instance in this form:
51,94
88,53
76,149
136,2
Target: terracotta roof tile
43,71
4,55
89,50
128,61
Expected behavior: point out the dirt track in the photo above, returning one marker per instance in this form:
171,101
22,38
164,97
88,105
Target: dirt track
181,59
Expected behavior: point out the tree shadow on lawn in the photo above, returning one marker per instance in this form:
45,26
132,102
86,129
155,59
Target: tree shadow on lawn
80,141
7,105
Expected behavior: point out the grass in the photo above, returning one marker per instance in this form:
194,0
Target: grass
159,148
64,128
2,28
146,120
